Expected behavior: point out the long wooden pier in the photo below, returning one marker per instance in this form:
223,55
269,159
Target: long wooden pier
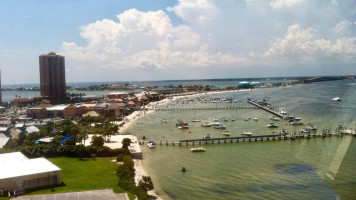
209,108
225,140
265,108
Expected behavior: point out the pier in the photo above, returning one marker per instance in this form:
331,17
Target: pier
265,108
258,138
209,108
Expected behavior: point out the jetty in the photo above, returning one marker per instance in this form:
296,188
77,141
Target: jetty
207,108
260,138
266,108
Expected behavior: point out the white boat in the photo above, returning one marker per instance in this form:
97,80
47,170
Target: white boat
283,132
311,127
215,123
183,127
336,99
296,122
215,119
226,133
245,133
207,136
282,111
196,120
275,118
220,127
151,144
206,124
305,130
272,125
197,149
164,120
255,118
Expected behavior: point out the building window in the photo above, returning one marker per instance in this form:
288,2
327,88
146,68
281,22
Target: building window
42,180
24,183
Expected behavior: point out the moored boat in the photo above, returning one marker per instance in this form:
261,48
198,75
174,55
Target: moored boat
220,127
246,133
271,125
226,133
207,136
197,149
151,144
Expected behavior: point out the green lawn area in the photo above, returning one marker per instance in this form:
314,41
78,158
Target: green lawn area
86,174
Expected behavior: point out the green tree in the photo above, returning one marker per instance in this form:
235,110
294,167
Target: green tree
97,141
126,142
146,183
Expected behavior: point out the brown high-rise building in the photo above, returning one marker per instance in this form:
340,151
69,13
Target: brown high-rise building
52,76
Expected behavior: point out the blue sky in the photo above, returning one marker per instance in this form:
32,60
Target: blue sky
185,39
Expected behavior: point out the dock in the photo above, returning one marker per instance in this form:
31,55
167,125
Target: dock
258,138
265,108
207,108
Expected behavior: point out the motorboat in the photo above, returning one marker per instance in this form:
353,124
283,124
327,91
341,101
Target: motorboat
215,119
283,132
181,123
311,127
275,118
336,99
282,111
183,127
215,123
296,123
255,118
272,125
207,136
247,119
164,120
305,130
196,120
220,127
225,119
151,144
245,133
205,124
232,119
197,149
226,133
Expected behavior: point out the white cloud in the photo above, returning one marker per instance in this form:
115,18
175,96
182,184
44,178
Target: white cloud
302,46
141,40
194,11
341,26
285,3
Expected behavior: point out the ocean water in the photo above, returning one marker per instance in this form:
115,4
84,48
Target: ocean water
301,169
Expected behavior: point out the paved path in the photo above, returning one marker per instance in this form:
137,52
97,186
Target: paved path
106,194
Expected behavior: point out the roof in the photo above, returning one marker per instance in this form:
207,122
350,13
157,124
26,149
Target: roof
3,141
23,100
117,93
16,164
59,107
91,113
32,129
89,105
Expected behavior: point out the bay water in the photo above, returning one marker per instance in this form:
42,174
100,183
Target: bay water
316,168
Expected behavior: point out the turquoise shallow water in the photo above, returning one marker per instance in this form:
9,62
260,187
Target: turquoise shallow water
304,169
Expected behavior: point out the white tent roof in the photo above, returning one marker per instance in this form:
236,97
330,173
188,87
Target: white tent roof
3,140
16,164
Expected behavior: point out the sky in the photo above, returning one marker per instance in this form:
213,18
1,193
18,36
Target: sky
136,40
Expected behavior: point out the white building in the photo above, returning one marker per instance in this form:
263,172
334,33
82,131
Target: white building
18,173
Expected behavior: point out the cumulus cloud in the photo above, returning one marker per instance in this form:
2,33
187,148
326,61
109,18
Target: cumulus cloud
194,11
341,26
150,43
285,3
302,46
142,40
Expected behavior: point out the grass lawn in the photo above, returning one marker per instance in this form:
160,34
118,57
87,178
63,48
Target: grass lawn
86,174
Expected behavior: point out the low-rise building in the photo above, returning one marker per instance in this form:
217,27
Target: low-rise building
19,173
